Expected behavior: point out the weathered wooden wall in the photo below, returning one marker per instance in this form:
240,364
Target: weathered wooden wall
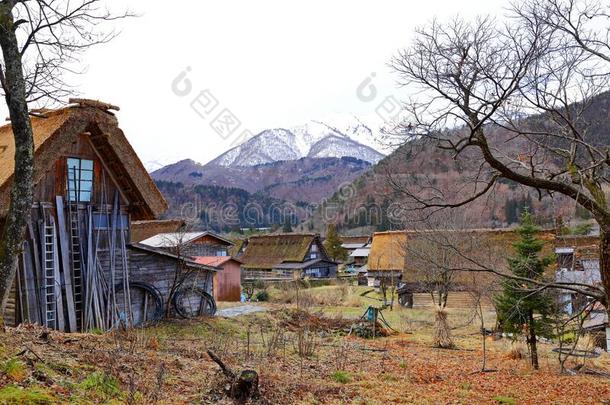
160,272
54,181
227,283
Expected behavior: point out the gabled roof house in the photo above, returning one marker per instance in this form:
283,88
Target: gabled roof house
286,256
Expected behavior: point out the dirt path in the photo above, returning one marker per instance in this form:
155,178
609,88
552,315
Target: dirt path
239,311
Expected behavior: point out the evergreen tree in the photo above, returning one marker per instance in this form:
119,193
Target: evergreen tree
333,243
287,227
520,310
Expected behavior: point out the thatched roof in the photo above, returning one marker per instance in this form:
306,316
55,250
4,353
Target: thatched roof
141,230
355,240
266,252
56,130
388,251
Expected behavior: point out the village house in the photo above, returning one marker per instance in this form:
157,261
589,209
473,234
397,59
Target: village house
286,256
360,257
193,244
387,257
577,262
407,258
79,270
351,243
208,249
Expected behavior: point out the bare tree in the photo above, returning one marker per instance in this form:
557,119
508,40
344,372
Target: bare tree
435,254
517,100
41,42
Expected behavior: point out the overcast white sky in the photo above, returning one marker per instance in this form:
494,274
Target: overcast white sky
272,63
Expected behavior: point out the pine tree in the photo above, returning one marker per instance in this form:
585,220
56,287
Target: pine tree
287,227
333,243
520,310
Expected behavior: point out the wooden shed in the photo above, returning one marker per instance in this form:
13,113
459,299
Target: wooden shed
227,281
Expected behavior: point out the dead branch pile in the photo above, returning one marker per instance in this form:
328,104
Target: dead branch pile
295,320
364,329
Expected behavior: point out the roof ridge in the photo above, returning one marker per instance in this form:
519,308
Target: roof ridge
274,235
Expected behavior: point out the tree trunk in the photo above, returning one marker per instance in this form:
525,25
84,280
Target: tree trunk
604,264
532,341
21,200
245,386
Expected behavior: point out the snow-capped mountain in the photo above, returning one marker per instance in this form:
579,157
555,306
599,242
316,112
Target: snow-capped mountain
340,137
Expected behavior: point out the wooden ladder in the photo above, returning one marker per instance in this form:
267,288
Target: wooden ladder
77,273
50,311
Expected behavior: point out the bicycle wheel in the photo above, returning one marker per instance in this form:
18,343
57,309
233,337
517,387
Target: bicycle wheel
192,302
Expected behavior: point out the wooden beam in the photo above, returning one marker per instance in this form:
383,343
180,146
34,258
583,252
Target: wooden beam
59,305
66,276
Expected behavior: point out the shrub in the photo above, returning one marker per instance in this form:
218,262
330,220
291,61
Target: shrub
32,395
262,296
14,369
516,352
342,377
100,384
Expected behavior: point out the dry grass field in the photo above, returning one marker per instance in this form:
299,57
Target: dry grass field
303,355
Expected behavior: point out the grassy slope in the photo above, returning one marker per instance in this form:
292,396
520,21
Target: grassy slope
168,362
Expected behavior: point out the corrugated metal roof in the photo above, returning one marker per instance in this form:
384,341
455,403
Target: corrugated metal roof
352,245
168,240
174,239
362,252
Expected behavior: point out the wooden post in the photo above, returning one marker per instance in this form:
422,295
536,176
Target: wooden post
66,276
37,277
59,305
30,284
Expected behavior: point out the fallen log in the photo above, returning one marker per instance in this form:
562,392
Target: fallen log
243,386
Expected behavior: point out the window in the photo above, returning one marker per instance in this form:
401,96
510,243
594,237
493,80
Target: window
314,272
80,180
102,221
221,253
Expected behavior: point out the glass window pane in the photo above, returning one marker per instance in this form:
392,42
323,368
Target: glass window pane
86,164
85,196
72,195
100,221
86,175
124,222
86,185
73,163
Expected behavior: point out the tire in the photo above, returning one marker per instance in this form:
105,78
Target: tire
154,302
192,302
